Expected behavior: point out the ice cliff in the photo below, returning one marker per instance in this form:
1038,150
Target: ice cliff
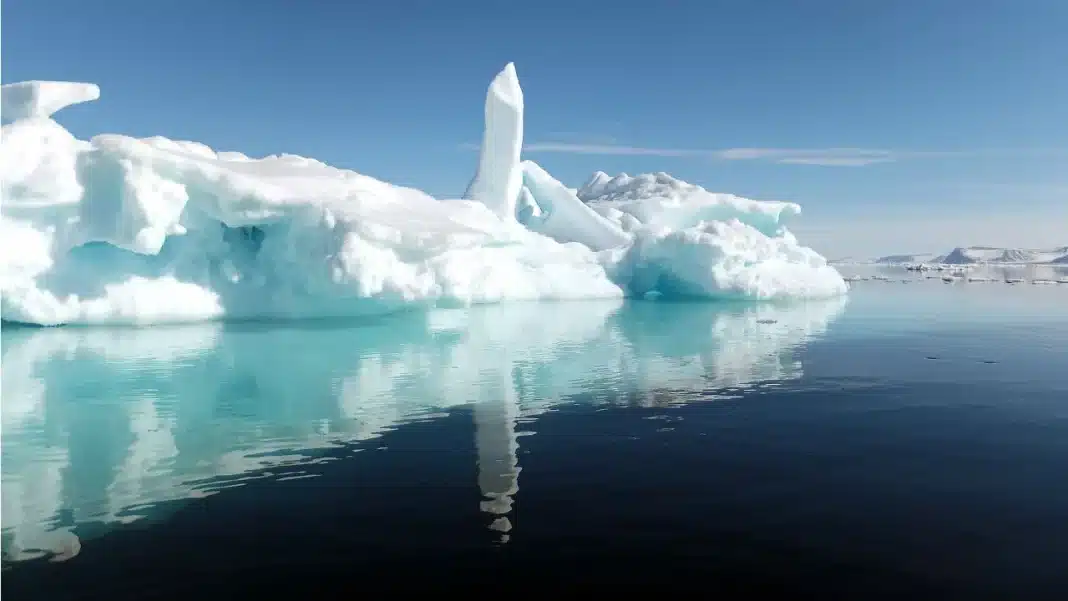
117,229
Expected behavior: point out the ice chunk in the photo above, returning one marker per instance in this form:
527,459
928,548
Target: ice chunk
564,217
121,229
724,259
595,186
498,180
37,99
39,168
691,242
659,200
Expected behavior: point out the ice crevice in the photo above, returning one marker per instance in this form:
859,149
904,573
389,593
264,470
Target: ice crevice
116,229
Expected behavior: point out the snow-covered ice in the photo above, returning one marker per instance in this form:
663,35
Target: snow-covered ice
40,99
498,181
120,229
560,214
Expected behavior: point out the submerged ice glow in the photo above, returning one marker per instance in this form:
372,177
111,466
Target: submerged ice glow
181,412
120,229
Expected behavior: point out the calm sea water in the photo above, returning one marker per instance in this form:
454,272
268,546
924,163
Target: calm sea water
911,441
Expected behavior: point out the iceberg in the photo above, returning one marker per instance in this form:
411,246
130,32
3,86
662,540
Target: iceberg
117,229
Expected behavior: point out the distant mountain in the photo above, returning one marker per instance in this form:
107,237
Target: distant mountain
1015,255
963,256
971,255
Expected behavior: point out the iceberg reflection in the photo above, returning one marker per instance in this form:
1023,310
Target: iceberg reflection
105,425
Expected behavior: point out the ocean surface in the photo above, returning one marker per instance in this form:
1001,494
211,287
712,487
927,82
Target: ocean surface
909,442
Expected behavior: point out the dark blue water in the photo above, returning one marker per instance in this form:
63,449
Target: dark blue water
912,442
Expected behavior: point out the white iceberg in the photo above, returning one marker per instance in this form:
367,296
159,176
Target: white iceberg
118,229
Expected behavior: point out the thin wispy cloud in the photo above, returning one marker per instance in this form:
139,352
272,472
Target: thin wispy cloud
580,137
613,149
826,157
1051,190
832,157
829,157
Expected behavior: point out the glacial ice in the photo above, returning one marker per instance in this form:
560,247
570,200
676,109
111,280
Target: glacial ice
117,229
563,217
498,180
41,99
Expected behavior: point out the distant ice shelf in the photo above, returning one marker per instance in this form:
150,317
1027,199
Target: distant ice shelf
970,255
955,278
117,229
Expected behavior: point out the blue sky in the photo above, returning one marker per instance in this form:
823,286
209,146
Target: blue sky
910,125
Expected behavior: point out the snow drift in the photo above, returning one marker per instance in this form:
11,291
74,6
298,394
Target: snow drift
120,229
